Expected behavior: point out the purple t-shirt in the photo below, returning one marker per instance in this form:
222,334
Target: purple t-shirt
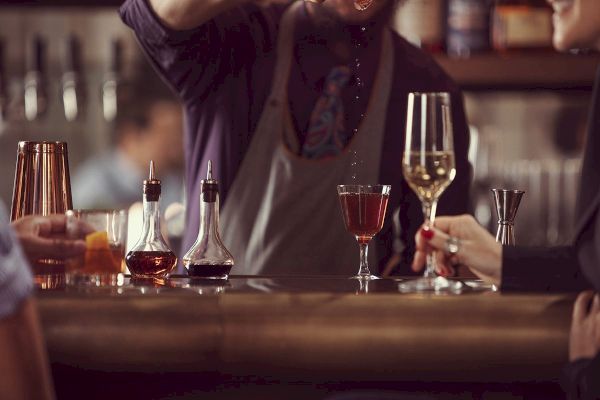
223,69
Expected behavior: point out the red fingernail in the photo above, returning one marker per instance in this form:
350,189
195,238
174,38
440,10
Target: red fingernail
427,232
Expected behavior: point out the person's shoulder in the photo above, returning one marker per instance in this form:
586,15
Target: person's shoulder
419,66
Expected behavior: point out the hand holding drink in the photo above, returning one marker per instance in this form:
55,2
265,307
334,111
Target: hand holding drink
105,235
477,249
45,237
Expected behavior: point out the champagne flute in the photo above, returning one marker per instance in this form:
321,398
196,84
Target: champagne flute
429,168
363,208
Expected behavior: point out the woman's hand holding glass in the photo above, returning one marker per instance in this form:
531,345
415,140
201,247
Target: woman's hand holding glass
584,339
474,248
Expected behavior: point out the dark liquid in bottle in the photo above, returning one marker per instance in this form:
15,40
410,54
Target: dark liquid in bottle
363,213
150,264
208,271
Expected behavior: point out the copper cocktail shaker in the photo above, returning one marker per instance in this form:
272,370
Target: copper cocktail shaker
42,183
42,186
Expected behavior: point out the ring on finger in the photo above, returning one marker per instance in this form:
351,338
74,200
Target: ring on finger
452,245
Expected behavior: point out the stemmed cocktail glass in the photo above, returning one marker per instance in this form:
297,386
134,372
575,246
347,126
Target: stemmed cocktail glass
363,208
428,166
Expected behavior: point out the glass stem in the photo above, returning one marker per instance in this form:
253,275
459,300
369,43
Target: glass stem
364,265
429,209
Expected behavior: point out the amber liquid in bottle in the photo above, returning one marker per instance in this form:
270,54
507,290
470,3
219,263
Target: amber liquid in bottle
151,257
151,263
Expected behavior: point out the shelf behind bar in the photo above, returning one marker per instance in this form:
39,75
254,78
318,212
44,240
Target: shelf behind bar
522,70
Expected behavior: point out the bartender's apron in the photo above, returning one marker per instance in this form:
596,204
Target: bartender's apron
282,215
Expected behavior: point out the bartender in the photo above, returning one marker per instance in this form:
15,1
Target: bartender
289,99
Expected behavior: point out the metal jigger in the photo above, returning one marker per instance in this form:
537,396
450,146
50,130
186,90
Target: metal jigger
507,204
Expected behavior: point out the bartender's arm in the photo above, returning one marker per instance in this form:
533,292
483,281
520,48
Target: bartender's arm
196,44
188,14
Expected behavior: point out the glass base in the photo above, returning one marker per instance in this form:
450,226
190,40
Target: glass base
48,274
432,284
148,281
209,279
49,281
365,277
95,280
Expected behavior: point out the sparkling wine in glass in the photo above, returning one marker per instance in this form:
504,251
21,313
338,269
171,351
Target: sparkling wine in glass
363,209
429,168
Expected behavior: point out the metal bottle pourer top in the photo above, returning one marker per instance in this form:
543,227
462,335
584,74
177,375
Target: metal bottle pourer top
210,186
152,187
209,179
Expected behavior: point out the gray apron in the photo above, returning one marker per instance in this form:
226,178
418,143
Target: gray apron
282,215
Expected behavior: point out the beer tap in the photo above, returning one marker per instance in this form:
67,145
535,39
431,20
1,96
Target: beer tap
110,84
73,92
36,100
3,88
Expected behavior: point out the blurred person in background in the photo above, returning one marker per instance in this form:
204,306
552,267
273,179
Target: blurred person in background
576,26
289,99
148,127
24,369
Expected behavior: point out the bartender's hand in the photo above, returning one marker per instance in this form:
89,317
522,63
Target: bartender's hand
476,248
584,340
44,237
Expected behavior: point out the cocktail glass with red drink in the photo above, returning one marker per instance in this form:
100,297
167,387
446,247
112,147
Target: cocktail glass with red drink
363,209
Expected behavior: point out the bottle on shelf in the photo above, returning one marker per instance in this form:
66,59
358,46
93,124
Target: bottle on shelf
422,23
151,257
468,27
521,24
208,258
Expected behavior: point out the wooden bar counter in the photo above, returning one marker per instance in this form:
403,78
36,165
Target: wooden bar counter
306,330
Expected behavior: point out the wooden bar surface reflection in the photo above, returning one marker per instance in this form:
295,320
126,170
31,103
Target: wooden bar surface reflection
310,330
